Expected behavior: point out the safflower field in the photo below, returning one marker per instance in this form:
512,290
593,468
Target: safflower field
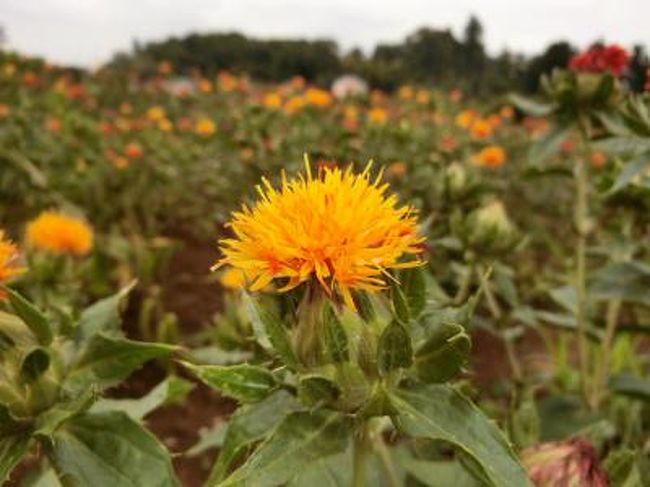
219,281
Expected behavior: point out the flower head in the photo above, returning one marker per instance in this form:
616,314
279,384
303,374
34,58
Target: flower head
599,59
491,156
339,229
205,127
59,234
8,261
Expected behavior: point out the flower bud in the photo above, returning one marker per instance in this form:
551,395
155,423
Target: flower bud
489,229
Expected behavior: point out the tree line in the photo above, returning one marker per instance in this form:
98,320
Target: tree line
427,56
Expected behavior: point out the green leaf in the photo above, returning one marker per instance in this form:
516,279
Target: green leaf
34,364
394,350
269,330
316,389
244,382
248,425
107,361
530,107
443,354
628,281
102,316
12,450
336,340
301,439
630,385
414,286
439,412
50,420
110,449
436,473
365,306
622,145
32,316
636,167
400,305
623,469
548,145
171,390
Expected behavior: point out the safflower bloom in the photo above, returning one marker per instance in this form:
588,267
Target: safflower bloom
8,259
272,101
232,278
156,113
601,59
378,116
59,234
205,127
465,118
339,229
491,156
480,129
133,150
318,98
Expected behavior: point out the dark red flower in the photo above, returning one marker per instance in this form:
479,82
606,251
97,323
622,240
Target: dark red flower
600,59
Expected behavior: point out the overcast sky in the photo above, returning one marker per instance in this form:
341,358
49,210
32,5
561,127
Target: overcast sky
88,32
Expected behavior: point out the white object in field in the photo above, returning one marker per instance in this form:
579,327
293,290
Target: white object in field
349,85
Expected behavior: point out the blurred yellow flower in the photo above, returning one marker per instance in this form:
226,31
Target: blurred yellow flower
480,129
405,92
318,98
205,85
165,125
156,113
4,110
491,156
465,118
233,278
272,101
57,233
423,97
294,104
120,163
377,116
8,261
205,127
338,229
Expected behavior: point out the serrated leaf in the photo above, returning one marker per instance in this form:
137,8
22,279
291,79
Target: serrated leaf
106,361
439,412
244,382
301,439
171,390
442,356
414,286
401,310
248,425
627,281
336,340
548,145
110,449
394,350
31,316
102,316
269,331
529,106
637,166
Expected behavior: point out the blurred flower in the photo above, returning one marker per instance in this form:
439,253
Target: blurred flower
8,261
53,125
491,156
377,97
165,125
397,169
126,108
480,129
507,111
377,116
247,153
184,124
455,95
205,127
318,98
30,79
165,68
423,97
4,110
349,85
448,143
8,69
156,113
204,85
571,463
57,233
465,118
272,100
598,160
226,81
339,230
133,150
120,162
294,104
600,59
405,92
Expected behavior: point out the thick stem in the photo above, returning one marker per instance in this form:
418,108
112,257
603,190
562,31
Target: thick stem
613,309
360,454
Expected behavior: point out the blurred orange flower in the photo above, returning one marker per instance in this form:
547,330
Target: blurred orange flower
59,234
205,127
8,261
133,150
492,156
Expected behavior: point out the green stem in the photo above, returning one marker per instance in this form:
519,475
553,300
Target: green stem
386,461
613,309
581,223
360,454
465,285
513,360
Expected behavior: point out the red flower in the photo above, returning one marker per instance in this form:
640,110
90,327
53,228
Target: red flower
600,59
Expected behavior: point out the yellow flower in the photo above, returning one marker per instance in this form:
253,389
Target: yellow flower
318,98
165,125
233,278
491,156
272,101
205,85
465,118
59,234
405,92
481,129
339,229
423,97
8,258
378,116
156,113
294,104
205,127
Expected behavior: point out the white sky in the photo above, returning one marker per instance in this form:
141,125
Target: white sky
88,32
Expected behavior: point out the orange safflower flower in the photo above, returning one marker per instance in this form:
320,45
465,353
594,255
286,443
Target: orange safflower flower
156,113
492,156
480,129
133,150
59,234
4,110
598,160
405,92
339,230
205,127
465,118
318,98
272,101
8,262
377,116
